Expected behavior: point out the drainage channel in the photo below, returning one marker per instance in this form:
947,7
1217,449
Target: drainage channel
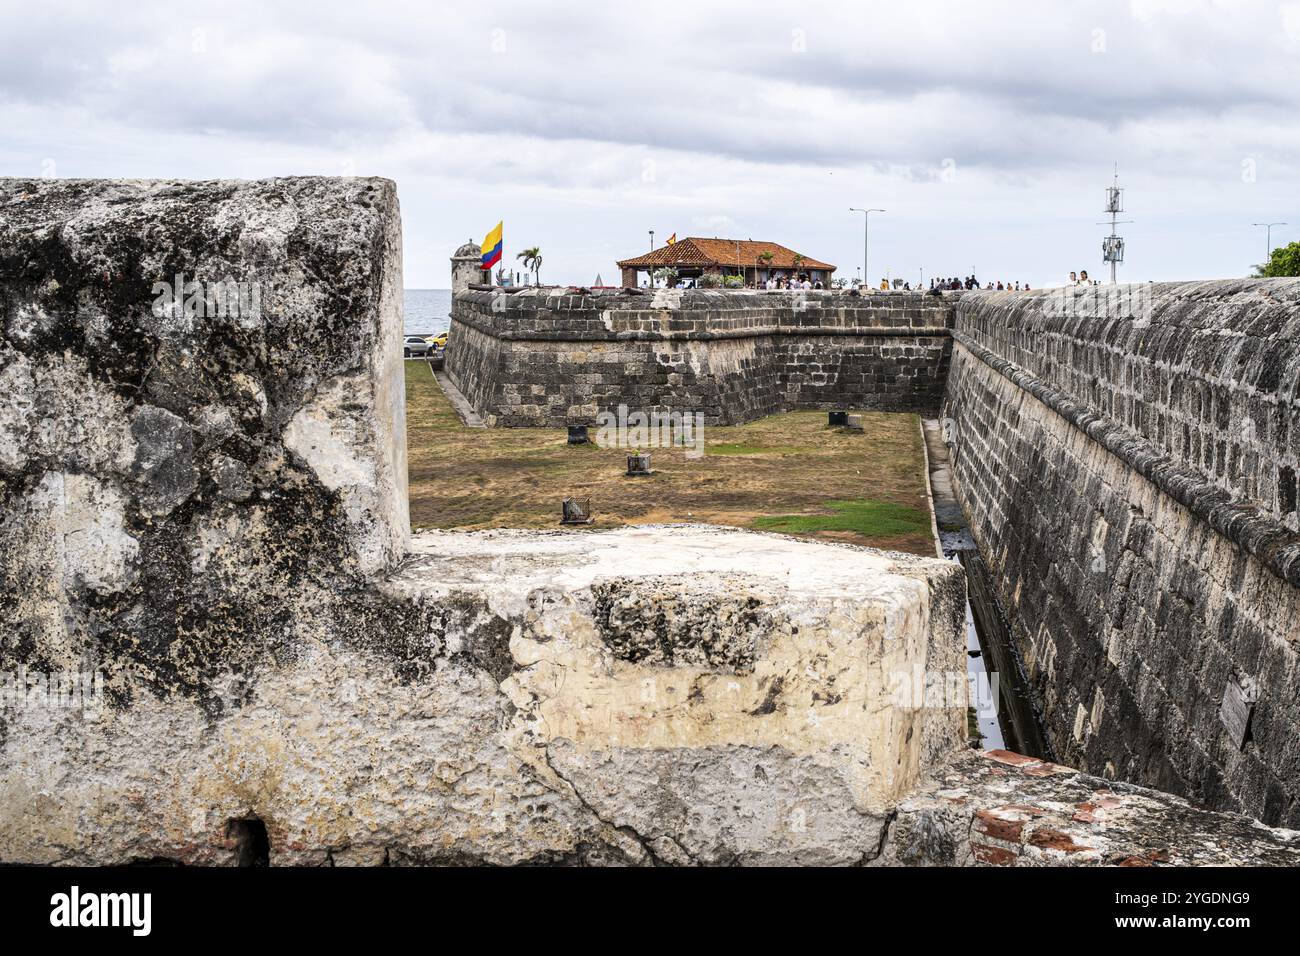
1003,709
989,648
983,724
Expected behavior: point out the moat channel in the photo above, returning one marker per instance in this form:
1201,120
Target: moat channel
993,664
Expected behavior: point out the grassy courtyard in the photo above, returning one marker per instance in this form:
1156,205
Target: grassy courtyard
788,473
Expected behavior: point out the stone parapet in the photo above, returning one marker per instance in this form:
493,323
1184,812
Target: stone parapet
1142,582
551,357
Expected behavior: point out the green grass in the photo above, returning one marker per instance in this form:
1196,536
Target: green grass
863,516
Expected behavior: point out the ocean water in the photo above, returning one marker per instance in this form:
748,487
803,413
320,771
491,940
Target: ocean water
427,310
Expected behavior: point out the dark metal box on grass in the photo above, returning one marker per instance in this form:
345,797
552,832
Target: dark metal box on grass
575,511
638,466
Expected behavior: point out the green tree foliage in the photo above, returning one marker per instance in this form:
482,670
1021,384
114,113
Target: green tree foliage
1284,261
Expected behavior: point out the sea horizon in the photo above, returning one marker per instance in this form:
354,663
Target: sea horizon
426,311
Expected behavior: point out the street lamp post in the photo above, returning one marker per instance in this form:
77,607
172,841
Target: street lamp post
1268,237
866,235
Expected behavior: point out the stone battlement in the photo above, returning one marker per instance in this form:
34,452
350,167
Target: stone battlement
553,357
1127,460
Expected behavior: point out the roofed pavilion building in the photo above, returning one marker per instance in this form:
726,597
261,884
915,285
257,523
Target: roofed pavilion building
756,261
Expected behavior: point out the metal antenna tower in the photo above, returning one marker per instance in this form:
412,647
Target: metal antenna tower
1112,247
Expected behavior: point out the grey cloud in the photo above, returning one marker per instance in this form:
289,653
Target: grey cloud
997,85
551,110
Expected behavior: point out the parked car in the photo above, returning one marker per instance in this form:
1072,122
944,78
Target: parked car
416,347
439,340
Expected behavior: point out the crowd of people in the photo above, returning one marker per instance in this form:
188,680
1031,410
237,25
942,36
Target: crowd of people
937,285
790,282
971,282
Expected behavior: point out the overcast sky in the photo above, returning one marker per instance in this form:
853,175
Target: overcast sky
987,130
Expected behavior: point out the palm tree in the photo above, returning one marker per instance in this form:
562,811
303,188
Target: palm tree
766,259
533,260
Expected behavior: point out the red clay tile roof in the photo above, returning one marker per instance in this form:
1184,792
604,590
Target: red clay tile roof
695,251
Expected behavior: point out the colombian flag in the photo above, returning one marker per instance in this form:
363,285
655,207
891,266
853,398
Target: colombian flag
671,239
492,247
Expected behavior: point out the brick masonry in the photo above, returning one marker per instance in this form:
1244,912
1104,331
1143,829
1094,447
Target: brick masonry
1002,809
549,358
1128,468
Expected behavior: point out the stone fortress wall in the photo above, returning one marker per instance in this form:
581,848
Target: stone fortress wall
204,513
1127,460
552,358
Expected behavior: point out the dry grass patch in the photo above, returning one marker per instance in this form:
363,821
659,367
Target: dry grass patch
785,472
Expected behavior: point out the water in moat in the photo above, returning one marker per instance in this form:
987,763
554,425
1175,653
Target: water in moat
990,651
1009,720
985,710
